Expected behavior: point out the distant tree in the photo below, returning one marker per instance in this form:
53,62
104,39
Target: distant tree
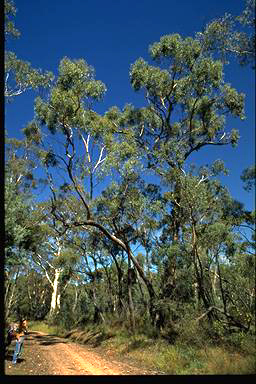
55,258
33,295
22,226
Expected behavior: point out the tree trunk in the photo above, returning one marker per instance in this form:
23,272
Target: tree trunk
55,301
214,283
199,275
223,296
9,300
75,301
175,237
126,248
150,288
98,315
130,301
120,289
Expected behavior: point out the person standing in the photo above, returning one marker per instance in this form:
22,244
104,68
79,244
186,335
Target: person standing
19,336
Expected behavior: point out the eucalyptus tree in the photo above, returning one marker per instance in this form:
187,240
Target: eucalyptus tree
33,294
240,277
54,255
210,222
188,102
83,147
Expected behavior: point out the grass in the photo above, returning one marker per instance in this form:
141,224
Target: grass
182,359
157,354
42,326
185,360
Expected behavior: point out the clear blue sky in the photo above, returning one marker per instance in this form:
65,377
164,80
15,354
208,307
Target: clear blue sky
110,36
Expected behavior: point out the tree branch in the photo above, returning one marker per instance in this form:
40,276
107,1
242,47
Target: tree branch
200,145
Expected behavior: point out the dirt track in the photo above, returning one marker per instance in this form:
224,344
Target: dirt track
51,355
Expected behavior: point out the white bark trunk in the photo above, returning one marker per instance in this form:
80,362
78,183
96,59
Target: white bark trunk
215,281
55,302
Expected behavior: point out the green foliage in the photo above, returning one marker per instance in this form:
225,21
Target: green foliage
9,12
74,90
192,82
19,75
248,177
21,230
230,35
33,296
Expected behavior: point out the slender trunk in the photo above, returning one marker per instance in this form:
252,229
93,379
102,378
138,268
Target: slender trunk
144,301
110,289
75,301
55,301
91,186
98,315
214,283
221,287
147,282
120,289
196,294
175,229
9,301
58,302
126,248
150,288
120,292
199,273
173,265
144,239
130,301
7,288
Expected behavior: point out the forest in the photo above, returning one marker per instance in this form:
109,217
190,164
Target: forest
128,232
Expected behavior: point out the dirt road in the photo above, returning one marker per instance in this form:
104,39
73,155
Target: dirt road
51,355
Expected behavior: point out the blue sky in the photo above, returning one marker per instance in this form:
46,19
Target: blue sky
110,36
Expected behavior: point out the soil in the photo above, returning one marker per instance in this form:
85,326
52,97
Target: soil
51,355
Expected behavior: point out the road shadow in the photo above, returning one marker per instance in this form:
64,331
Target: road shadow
46,339
99,340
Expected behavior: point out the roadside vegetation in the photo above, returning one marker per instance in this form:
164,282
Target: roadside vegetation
189,355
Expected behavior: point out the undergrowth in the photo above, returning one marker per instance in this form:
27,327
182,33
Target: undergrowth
43,326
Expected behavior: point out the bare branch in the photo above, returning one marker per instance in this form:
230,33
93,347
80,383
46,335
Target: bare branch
100,160
43,267
203,178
